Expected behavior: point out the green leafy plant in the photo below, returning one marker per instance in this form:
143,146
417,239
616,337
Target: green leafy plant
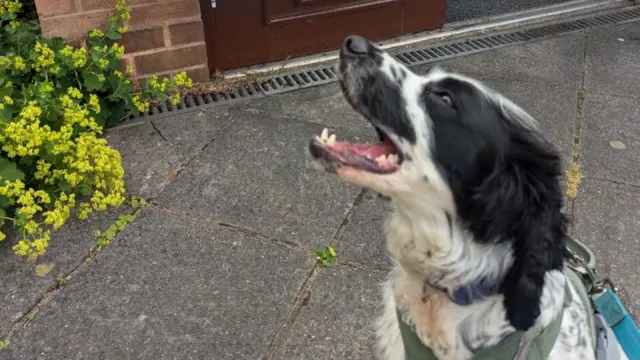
103,239
4,344
325,257
54,102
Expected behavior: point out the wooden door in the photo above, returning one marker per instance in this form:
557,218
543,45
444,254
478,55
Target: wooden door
248,32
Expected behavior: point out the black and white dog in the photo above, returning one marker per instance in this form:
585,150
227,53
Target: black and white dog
476,204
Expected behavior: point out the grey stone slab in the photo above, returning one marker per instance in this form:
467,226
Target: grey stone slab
612,65
607,219
463,10
558,60
607,119
628,31
170,288
257,177
151,157
553,106
323,104
68,247
336,323
363,240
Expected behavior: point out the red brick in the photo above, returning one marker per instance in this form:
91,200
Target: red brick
73,27
88,5
154,14
171,59
134,41
186,33
48,8
199,75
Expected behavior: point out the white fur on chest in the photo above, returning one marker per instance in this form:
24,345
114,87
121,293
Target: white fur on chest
435,251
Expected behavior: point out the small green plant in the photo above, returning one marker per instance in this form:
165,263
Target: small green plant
105,238
4,344
137,203
61,281
325,257
54,102
31,315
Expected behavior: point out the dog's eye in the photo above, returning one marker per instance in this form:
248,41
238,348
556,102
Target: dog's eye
446,99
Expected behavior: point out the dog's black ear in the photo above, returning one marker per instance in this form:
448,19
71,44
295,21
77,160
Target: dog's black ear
516,197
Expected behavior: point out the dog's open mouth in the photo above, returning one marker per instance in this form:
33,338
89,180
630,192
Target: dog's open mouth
380,158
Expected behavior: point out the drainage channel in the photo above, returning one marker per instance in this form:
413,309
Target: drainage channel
305,78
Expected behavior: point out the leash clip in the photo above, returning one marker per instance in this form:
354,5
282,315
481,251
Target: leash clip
606,283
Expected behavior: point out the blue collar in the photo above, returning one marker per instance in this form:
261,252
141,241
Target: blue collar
466,295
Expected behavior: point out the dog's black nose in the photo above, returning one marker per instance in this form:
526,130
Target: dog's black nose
355,45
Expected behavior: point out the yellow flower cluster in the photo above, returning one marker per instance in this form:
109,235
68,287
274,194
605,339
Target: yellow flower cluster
53,133
88,162
10,6
122,11
46,59
31,202
5,101
183,80
78,57
14,63
141,105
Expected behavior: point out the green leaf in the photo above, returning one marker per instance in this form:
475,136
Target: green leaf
64,186
113,35
86,191
5,91
332,251
117,112
9,170
92,82
3,214
4,202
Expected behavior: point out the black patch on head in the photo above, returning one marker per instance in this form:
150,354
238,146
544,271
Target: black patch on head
446,213
425,179
381,100
504,179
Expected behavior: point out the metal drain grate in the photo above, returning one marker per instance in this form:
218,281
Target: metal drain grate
318,76
479,44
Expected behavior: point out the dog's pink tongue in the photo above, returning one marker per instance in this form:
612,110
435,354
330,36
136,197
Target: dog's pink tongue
369,150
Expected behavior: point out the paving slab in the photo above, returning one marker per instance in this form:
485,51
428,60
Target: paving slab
336,322
68,247
607,218
170,287
323,104
151,156
611,138
257,177
464,10
363,240
612,65
557,60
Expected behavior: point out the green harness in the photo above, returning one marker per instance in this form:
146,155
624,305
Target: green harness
519,345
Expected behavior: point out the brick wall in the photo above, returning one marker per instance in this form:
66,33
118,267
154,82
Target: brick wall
164,37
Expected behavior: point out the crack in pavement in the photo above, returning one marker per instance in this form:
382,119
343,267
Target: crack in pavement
305,292
51,293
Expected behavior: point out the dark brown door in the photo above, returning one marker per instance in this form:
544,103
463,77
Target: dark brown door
248,32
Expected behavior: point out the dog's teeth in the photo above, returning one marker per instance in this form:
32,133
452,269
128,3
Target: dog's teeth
325,135
332,139
393,158
381,158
